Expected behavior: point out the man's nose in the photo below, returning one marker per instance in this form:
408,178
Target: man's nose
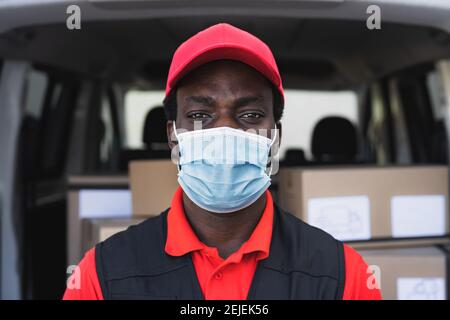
226,119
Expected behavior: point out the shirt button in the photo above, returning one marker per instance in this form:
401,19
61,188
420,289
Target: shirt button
218,275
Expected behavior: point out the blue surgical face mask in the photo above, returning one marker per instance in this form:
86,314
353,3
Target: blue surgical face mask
223,169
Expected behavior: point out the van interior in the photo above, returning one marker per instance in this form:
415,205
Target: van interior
91,103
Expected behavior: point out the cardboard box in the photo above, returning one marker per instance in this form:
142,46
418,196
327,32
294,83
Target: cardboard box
410,274
98,230
367,203
153,184
87,196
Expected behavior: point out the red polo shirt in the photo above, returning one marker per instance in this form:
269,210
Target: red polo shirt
220,278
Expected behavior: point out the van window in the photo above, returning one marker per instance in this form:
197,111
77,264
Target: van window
400,130
379,132
421,97
57,118
109,140
107,136
436,91
49,104
304,109
137,105
36,86
407,121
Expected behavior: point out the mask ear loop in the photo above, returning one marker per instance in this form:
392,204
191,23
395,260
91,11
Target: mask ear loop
178,143
270,148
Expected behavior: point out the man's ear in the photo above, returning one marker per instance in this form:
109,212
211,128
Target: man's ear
171,139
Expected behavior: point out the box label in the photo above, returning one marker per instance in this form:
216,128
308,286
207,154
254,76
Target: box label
105,203
418,216
345,218
421,288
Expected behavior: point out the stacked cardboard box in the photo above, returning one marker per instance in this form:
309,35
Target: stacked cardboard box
153,183
100,206
93,197
409,273
378,203
98,230
395,217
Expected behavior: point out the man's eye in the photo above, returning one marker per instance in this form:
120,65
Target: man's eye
252,115
198,115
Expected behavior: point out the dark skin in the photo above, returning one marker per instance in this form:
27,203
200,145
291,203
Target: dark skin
224,93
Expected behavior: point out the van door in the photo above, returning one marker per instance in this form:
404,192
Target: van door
405,118
12,85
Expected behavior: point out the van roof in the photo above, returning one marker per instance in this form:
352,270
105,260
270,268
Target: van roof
321,44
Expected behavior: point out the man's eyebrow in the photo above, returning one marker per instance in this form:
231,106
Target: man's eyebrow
205,100
239,102
246,100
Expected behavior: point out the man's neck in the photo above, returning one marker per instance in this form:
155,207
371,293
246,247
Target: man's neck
225,231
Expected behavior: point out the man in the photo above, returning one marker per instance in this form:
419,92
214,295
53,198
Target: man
223,236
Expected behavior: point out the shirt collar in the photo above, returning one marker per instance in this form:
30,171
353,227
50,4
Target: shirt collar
181,239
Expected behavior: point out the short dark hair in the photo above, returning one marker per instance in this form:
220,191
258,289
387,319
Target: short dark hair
170,104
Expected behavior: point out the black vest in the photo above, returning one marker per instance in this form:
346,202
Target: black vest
304,263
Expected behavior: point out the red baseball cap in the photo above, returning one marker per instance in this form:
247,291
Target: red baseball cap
223,41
